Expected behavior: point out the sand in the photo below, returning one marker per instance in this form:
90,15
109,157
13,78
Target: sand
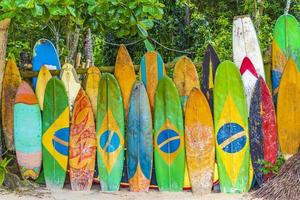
66,194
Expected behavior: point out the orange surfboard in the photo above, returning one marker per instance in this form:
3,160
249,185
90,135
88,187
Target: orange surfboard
10,84
82,150
92,86
125,75
199,142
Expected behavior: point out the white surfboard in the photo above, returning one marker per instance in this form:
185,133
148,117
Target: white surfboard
69,77
245,43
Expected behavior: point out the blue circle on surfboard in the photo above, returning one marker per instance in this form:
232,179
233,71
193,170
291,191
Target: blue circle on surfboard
60,141
168,141
108,142
229,140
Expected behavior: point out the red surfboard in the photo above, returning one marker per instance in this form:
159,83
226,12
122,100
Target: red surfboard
263,129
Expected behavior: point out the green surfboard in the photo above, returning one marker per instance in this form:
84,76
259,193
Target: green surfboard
231,129
169,154
55,138
110,133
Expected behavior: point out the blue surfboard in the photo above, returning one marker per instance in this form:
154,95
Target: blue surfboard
44,53
139,140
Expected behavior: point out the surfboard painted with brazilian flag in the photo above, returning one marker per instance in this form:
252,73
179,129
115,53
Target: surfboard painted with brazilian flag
55,138
110,133
231,129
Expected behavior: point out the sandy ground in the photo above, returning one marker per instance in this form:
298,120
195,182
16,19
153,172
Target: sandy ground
124,194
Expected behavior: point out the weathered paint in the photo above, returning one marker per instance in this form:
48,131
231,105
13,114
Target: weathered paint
249,77
125,75
263,129
288,110
55,138
231,129
28,140
110,133
44,53
209,66
69,77
286,43
10,84
199,142
185,78
41,83
92,86
151,71
139,140
169,153
245,43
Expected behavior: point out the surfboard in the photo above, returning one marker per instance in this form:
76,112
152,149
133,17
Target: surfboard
263,129
110,133
125,75
151,71
41,83
44,53
199,142
249,77
10,84
245,43
231,129
27,140
169,153
288,109
55,137
286,43
185,78
82,144
209,66
69,77
139,140
92,86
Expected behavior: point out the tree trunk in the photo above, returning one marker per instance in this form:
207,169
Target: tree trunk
88,47
73,47
4,25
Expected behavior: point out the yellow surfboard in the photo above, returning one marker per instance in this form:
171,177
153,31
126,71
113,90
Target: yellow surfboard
199,142
288,110
10,84
185,78
42,80
92,86
125,75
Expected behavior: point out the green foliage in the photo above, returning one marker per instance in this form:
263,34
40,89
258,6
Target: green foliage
269,167
3,169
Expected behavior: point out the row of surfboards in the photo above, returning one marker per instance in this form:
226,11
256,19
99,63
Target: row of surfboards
190,123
